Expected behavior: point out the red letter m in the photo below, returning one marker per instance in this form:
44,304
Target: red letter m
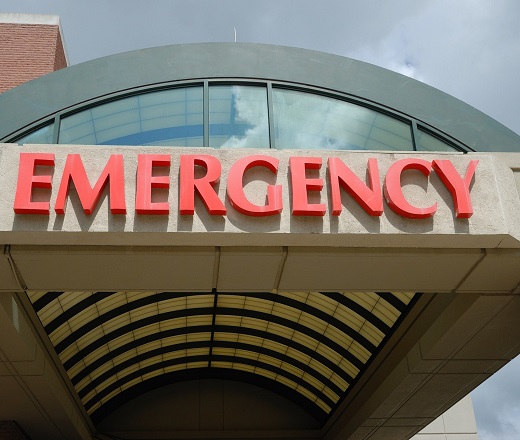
75,171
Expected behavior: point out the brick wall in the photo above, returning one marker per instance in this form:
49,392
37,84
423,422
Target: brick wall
28,51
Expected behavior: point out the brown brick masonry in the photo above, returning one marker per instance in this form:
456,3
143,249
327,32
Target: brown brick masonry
28,51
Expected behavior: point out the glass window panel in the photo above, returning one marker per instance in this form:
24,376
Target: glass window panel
42,135
116,120
167,117
119,132
427,142
238,117
303,120
85,140
114,108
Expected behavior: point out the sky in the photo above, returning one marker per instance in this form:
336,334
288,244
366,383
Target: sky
467,48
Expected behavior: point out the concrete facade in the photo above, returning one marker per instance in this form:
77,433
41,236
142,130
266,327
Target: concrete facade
462,329
458,423
451,283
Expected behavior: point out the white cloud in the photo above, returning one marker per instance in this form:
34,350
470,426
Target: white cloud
497,404
469,49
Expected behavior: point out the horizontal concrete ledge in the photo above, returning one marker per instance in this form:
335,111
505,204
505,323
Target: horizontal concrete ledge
253,268
213,434
418,241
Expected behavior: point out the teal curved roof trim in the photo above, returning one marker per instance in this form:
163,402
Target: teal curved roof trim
66,88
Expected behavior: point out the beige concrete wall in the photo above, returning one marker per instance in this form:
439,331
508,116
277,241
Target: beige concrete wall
34,394
458,423
494,224
462,330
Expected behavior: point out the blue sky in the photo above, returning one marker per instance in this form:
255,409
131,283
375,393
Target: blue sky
467,48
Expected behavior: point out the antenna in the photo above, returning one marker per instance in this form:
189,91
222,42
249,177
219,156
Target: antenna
234,28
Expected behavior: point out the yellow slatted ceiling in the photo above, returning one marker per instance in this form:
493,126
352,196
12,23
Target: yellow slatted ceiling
114,374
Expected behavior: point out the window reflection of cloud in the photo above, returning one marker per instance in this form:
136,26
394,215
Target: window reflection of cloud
251,109
319,123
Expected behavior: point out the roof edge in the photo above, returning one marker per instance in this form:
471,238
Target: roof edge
57,91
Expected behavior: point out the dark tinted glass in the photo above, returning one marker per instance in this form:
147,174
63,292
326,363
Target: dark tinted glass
427,142
167,117
41,136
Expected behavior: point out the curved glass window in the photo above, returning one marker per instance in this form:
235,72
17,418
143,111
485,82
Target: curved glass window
42,135
427,142
168,117
306,121
238,117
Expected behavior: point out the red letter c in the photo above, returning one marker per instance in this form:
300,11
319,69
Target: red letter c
394,193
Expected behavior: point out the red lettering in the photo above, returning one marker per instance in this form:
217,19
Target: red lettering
235,190
457,186
394,193
23,203
75,171
369,197
204,185
301,185
200,174
146,181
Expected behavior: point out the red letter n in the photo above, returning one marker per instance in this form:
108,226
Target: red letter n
368,197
